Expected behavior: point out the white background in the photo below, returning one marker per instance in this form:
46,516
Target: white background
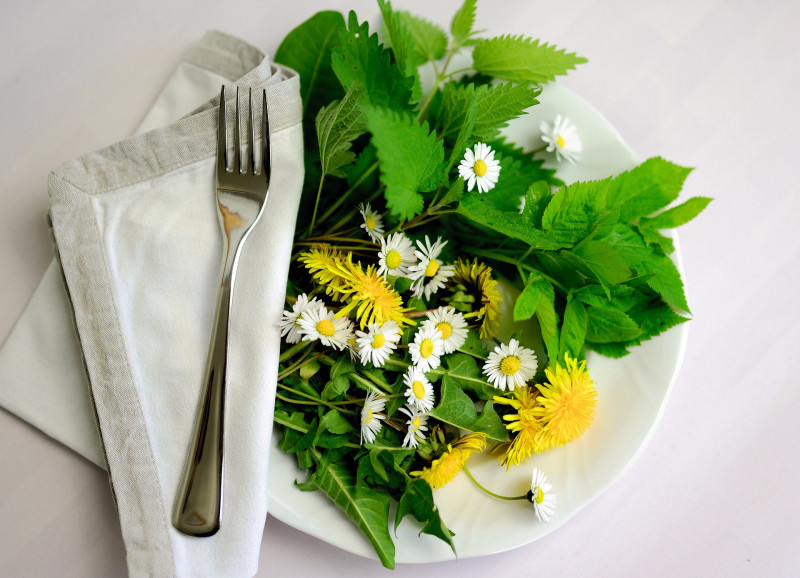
709,84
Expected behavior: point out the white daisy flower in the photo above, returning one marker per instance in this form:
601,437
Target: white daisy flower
290,320
450,324
510,365
377,342
420,391
373,222
371,416
396,255
320,324
416,426
429,274
543,500
563,138
427,348
479,166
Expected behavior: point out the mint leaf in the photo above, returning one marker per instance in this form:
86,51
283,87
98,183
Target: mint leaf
307,49
609,325
573,330
463,21
429,40
652,185
337,126
417,500
409,156
361,58
678,215
521,59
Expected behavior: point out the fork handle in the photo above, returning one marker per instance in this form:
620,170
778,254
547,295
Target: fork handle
199,506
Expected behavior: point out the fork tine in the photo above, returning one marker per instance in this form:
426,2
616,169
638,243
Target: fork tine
222,150
249,160
267,160
237,167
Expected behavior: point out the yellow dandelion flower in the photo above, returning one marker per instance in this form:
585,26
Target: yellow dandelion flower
476,278
373,300
567,403
445,468
323,262
524,423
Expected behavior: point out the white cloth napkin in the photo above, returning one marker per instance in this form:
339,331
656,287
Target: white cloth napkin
137,233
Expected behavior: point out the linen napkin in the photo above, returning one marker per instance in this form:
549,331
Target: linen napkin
137,234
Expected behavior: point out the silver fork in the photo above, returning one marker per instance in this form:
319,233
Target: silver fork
241,196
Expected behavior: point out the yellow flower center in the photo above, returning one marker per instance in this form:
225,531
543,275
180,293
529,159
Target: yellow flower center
378,340
480,168
432,268
419,389
326,327
368,417
445,329
510,365
560,141
415,423
370,221
393,259
538,495
426,348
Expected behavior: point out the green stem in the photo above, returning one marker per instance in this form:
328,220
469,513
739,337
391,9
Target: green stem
292,350
299,364
329,211
297,428
498,496
511,261
316,204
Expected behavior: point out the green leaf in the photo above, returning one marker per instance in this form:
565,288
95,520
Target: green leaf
335,387
362,59
430,41
654,237
497,105
521,59
678,215
457,409
338,125
307,49
527,302
573,330
604,261
463,21
538,298
652,185
467,123
473,345
309,369
367,508
573,211
402,44
409,155
619,297
417,500
609,325
463,371
454,192
537,197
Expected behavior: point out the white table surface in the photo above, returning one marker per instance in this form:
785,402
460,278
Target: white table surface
704,83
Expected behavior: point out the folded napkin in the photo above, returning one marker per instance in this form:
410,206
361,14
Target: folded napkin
137,235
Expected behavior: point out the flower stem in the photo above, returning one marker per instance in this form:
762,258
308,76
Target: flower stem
316,204
342,198
498,496
293,349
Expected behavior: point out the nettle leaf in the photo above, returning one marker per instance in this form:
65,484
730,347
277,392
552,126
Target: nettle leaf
573,330
402,44
497,105
676,216
338,125
417,500
457,409
651,186
573,211
409,155
429,40
521,59
307,49
463,21
362,59
367,508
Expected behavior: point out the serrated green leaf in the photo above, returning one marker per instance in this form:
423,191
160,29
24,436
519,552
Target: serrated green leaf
368,509
521,59
573,330
454,192
609,325
527,301
604,261
338,125
409,155
537,197
429,40
463,21
457,409
402,44
362,59
573,211
417,500
307,49
654,237
678,215
651,186
619,297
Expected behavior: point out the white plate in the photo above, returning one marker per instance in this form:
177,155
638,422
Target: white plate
632,395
